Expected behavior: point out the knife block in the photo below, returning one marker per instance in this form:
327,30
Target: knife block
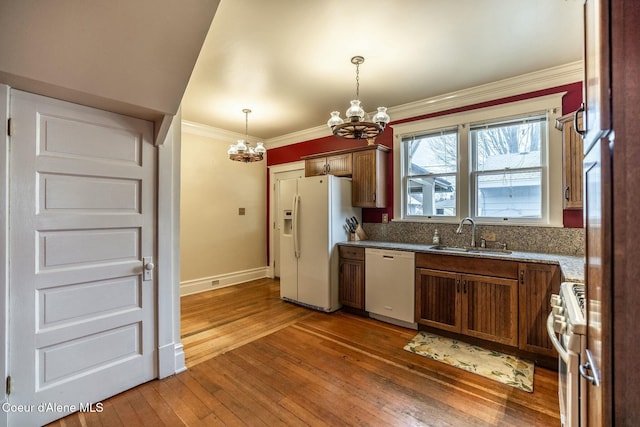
358,235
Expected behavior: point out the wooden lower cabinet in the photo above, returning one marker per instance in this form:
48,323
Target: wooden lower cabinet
438,299
351,277
480,306
506,302
537,283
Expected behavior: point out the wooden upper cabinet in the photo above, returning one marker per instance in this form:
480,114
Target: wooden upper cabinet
367,167
338,164
572,153
369,188
315,167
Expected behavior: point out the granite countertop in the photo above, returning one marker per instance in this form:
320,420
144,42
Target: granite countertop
572,267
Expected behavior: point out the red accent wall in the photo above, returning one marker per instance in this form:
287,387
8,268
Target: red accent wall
292,153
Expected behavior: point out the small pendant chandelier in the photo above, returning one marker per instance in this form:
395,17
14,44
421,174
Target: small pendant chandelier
357,125
243,151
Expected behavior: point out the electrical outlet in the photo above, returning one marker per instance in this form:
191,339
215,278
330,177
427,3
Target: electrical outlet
240,211
385,218
489,237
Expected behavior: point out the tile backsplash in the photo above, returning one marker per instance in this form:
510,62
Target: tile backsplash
555,240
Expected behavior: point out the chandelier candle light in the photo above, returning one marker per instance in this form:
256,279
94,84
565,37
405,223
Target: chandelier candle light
355,126
243,151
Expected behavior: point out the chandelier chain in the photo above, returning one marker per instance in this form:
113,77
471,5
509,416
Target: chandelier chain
357,80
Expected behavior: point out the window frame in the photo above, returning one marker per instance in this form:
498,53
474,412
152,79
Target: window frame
551,209
406,177
474,173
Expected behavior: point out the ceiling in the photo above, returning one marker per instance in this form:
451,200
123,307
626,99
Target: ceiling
289,60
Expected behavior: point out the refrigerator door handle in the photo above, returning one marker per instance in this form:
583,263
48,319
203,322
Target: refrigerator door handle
296,240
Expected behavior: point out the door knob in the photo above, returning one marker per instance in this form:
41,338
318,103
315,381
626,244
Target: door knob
147,263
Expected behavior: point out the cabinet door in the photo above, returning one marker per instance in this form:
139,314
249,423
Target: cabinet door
369,179
351,283
315,167
490,308
537,283
572,164
339,165
438,299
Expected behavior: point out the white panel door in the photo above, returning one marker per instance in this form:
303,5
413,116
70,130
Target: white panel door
82,217
313,264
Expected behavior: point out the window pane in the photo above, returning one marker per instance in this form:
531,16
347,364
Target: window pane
433,154
509,195
513,145
431,196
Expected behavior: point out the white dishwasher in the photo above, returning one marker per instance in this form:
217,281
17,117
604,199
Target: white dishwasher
390,286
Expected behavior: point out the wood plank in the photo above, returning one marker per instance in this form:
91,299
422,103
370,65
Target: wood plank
316,369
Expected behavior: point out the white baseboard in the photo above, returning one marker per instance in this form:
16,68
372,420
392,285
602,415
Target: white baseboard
171,360
180,365
189,287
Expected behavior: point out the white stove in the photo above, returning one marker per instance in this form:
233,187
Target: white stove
567,328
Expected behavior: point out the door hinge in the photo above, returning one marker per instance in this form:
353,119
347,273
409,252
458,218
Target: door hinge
9,127
8,385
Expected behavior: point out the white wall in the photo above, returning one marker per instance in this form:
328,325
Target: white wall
219,247
129,57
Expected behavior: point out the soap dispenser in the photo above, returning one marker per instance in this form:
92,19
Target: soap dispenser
436,237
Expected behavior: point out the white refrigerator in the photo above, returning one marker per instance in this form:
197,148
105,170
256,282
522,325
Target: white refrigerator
314,213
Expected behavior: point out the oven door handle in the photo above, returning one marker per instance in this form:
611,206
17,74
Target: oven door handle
564,354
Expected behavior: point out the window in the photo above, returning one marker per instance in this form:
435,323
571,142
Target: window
431,173
507,168
500,164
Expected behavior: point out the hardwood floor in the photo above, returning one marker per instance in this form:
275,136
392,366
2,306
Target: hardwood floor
256,360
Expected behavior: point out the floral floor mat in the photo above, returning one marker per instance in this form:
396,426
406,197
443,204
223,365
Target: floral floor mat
497,366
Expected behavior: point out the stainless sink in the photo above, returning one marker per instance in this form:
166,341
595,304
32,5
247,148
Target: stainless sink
470,249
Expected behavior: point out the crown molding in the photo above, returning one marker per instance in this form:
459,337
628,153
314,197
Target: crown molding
200,129
299,136
525,83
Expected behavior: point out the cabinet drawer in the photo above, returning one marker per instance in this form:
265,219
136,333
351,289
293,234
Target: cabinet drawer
463,264
351,252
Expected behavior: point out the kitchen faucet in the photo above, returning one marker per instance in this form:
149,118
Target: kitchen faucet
473,229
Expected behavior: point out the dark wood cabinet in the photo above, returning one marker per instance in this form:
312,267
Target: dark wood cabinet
537,283
367,167
351,277
490,308
438,299
369,188
338,164
502,301
457,300
572,155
